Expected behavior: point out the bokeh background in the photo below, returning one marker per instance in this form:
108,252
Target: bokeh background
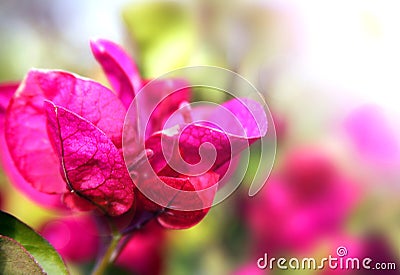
329,71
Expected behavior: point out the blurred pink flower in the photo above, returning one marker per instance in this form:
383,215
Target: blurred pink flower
75,237
341,246
308,200
372,135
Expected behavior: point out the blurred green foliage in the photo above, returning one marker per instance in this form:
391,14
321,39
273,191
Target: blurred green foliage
164,33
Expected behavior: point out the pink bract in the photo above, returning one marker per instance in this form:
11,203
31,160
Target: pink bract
92,166
7,90
64,136
26,131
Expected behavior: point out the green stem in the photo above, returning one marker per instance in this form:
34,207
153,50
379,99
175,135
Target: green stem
108,256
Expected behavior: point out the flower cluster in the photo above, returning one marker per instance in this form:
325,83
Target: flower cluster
62,136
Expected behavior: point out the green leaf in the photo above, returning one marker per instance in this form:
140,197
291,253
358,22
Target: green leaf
30,243
164,33
14,259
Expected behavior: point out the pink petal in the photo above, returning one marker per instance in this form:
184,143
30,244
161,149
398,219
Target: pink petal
158,161
211,142
238,116
200,192
93,167
119,68
176,219
230,128
163,195
26,132
48,200
159,99
216,147
6,93
241,116
7,90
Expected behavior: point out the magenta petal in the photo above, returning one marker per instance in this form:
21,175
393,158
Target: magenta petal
26,132
198,113
160,153
93,167
177,219
241,116
212,142
200,147
194,135
6,93
200,195
159,99
119,68
215,153
7,90
53,201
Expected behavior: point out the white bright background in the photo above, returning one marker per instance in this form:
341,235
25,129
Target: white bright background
351,45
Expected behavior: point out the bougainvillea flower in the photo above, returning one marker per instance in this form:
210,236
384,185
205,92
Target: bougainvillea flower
186,141
75,237
308,200
64,135
121,73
